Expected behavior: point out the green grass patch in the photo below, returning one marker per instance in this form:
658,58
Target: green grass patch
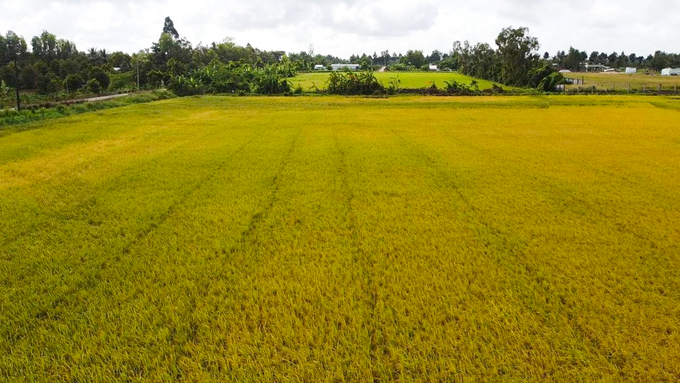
12,120
412,80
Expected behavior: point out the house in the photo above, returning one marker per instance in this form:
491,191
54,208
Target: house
670,72
595,67
433,68
337,67
630,70
319,67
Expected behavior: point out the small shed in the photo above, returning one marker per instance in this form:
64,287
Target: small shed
670,72
352,67
630,70
434,68
595,67
319,67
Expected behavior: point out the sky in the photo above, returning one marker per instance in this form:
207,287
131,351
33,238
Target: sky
345,27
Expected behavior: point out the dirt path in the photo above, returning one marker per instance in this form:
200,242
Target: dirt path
104,98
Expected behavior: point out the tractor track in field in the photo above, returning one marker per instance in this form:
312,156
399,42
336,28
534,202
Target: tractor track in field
520,255
364,259
548,183
184,198
94,279
64,212
275,185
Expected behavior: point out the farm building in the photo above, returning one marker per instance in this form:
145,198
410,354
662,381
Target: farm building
319,67
595,67
345,66
670,72
631,70
434,68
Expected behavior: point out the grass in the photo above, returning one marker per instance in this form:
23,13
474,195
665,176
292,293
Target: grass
331,239
621,81
12,120
411,80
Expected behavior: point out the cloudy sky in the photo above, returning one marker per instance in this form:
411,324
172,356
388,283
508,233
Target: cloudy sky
343,27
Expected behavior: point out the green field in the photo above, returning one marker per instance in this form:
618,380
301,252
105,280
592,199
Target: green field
410,80
621,81
344,239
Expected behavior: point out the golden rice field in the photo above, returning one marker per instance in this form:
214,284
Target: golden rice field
410,80
344,239
621,81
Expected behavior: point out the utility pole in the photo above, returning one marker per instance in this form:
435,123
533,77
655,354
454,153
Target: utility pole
138,74
16,87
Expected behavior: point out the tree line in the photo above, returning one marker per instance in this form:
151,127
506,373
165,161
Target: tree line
55,66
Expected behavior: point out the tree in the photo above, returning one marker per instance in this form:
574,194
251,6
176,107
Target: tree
28,77
73,82
659,61
169,28
517,51
93,86
13,52
47,84
385,56
97,73
434,57
573,60
414,58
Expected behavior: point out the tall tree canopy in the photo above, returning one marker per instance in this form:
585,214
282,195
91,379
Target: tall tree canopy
517,51
169,28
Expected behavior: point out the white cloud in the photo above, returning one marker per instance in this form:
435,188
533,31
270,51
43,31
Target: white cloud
344,27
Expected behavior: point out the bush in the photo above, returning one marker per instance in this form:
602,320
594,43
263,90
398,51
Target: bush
455,87
550,83
122,82
399,67
394,85
94,86
98,74
354,83
73,83
270,81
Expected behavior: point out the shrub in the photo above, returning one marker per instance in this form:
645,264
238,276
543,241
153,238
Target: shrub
550,83
94,86
73,83
455,87
354,83
122,81
394,85
98,74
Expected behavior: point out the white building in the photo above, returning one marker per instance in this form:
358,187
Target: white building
670,72
337,67
595,67
434,68
630,70
319,67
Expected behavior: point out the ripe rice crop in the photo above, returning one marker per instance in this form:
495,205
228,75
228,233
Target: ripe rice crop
344,239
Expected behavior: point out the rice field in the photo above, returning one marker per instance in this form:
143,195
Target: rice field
621,81
344,239
411,80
